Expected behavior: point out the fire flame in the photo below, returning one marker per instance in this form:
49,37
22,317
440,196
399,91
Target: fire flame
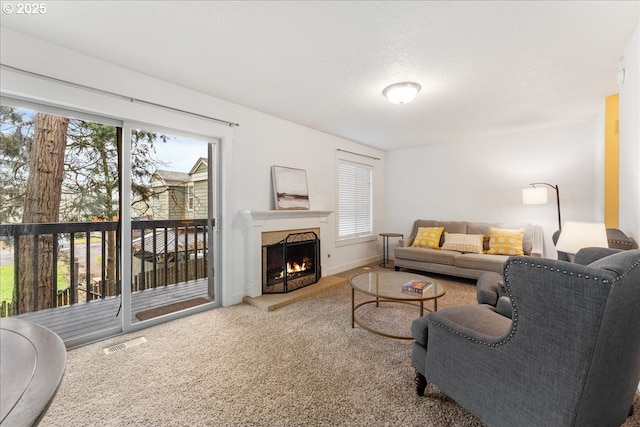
293,269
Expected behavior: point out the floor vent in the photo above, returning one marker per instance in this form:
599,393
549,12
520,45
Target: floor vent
122,346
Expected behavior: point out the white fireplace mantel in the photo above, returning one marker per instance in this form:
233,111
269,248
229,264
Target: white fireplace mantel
257,222
255,217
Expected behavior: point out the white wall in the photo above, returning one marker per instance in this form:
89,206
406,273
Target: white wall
265,141
630,140
248,151
481,180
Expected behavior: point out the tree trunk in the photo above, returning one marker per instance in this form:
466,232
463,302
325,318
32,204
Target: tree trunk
111,263
42,204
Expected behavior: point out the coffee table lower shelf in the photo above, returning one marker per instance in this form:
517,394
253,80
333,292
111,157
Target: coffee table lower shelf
355,321
387,287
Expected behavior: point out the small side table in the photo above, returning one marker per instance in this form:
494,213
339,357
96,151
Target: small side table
385,246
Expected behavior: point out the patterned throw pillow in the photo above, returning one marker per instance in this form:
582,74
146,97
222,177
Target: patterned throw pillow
463,242
504,241
428,237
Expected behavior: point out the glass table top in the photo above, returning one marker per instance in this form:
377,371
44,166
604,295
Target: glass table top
388,284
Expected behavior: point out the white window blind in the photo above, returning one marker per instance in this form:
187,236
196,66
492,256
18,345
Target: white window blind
355,218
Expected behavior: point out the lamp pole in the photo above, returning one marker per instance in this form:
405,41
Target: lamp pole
555,187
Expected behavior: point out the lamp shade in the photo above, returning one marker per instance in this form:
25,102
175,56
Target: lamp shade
401,93
578,235
534,196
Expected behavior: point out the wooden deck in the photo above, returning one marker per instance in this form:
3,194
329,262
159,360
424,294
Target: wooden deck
101,317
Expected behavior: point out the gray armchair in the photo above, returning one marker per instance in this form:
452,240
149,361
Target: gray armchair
490,286
616,240
569,356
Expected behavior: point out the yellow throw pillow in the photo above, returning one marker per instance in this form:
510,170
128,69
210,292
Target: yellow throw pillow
503,241
463,242
428,237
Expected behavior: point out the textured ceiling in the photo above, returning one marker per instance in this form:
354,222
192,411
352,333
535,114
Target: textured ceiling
485,67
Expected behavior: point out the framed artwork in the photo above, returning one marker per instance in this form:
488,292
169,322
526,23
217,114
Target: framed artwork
290,188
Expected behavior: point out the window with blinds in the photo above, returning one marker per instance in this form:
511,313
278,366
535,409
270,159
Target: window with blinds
355,212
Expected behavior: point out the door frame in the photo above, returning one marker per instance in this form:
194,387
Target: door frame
214,235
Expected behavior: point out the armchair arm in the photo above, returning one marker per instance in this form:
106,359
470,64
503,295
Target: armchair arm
488,288
478,323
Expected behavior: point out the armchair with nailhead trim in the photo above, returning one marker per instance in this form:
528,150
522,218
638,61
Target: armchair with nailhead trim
568,356
615,237
490,286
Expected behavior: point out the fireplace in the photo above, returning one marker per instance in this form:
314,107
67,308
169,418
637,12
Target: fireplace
264,228
291,263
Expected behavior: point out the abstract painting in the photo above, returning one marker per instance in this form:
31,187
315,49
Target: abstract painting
290,188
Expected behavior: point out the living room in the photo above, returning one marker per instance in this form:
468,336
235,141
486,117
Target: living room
475,173
478,174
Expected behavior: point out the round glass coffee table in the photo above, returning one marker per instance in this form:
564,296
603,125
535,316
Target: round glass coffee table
386,286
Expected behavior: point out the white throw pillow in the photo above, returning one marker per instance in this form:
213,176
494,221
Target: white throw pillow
463,242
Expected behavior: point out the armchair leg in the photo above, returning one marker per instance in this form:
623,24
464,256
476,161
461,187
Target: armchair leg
421,383
630,411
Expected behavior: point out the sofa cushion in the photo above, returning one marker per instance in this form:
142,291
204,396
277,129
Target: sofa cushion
449,226
503,241
428,237
483,228
463,242
438,256
455,226
481,261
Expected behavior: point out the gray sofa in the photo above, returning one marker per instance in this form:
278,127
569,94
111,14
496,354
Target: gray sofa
454,263
569,356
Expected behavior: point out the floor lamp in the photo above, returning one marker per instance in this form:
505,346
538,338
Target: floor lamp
538,195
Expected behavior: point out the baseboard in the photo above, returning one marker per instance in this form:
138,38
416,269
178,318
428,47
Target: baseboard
351,265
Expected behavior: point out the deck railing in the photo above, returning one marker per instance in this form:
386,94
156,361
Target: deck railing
164,252
169,252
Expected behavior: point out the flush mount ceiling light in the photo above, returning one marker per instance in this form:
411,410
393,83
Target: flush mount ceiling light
401,93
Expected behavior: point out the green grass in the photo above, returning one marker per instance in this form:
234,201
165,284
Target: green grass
6,280
6,283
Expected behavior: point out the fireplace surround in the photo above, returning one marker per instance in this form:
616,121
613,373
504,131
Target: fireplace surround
258,222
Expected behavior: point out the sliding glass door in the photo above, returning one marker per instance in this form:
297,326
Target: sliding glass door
105,226
173,230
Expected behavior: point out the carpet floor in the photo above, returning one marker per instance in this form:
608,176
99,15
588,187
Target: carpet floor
300,365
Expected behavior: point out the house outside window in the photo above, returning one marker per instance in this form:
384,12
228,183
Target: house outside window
355,201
